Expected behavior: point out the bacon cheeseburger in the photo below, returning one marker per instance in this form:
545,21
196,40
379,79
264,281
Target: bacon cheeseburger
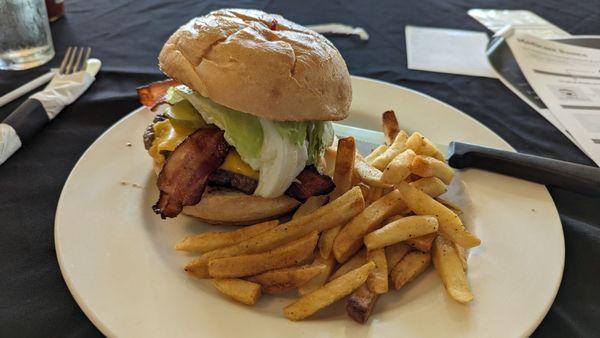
248,118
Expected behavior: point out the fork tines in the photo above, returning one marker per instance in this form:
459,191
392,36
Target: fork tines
75,60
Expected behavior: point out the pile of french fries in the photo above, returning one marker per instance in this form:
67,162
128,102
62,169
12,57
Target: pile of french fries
383,224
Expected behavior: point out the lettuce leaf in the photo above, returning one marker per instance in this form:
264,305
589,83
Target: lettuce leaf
320,136
246,134
281,160
242,130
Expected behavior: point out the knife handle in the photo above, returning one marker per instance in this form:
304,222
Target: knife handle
28,119
566,175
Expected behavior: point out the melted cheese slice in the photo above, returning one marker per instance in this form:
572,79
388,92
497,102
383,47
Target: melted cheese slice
233,162
167,138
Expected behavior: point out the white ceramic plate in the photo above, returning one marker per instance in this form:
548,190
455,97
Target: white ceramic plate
117,259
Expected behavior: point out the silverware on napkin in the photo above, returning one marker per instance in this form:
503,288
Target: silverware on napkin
74,77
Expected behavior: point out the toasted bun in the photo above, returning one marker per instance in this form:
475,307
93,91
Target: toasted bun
228,206
260,64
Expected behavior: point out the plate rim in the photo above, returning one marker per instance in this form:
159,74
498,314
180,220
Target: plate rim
104,329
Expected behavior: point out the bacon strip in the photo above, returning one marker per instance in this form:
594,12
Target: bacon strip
185,174
311,184
153,94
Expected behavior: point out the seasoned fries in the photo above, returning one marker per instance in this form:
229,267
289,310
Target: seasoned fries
359,259
368,173
321,277
426,166
422,243
394,254
247,265
278,281
335,213
399,169
432,186
449,223
328,293
455,208
378,279
383,223
423,146
462,254
361,303
376,152
312,203
342,177
450,269
411,266
390,126
401,230
349,240
429,149
398,146
212,240
374,194
239,290
344,165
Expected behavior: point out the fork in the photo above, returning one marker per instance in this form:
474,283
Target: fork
70,65
40,108
75,60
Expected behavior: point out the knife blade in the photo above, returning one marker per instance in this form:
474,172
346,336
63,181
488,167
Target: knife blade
571,176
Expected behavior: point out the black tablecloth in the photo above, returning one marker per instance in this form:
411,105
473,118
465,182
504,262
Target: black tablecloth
127,35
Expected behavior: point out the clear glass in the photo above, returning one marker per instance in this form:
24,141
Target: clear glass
25,39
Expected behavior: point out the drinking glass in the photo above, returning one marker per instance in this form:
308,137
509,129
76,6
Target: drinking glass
25,39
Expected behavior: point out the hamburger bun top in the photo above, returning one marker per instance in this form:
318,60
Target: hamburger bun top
261,64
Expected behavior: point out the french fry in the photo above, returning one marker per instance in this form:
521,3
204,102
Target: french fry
390,126
374,194
427,166
449,223
366,190
368,174
450,269
378,278
342,177
394,254
429,149
360,304
328,293
326,241
398,146
423,146
329,160
349,240
328,216
414,141
432,186
278,281
247,265
359,259
401,230
399,169
212,240
238,289
422,243
462,254
312,203
344,165
455,208
411,266
376,152
321,277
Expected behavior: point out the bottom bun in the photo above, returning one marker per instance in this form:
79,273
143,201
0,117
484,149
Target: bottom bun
228,206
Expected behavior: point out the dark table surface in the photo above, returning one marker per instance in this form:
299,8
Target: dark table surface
127,36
